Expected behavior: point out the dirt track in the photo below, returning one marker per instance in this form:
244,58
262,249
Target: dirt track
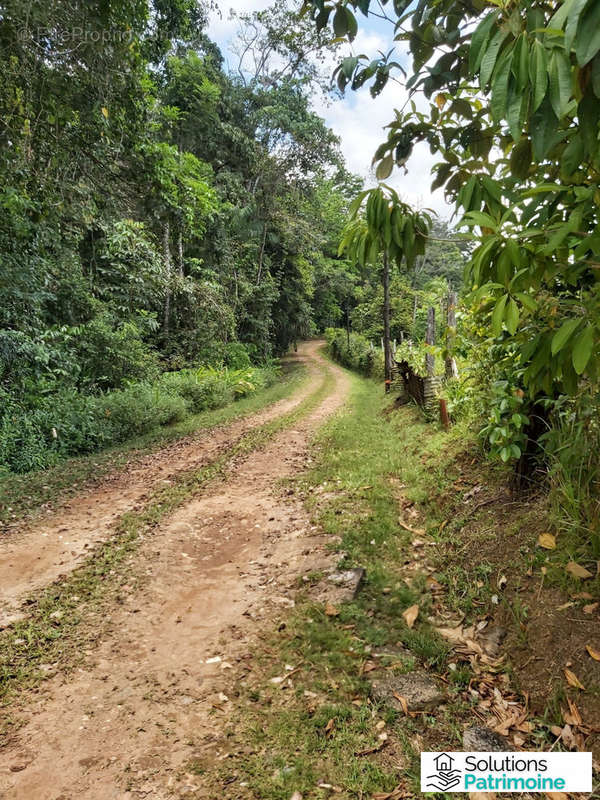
38,554
151,698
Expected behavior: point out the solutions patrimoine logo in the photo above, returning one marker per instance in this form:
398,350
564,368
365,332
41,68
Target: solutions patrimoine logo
446,777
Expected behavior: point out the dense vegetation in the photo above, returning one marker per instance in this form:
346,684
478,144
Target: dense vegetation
162,214
157,214
507,96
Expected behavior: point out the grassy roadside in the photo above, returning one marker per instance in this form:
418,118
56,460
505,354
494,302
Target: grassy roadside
307,738
24,495
65,619
424,515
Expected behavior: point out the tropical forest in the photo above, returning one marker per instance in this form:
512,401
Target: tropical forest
299,399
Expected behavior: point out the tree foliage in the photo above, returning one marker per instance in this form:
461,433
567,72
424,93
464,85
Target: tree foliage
507,95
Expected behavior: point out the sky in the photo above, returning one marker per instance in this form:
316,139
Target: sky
357,118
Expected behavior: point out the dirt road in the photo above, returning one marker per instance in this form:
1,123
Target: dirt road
151,697
51,547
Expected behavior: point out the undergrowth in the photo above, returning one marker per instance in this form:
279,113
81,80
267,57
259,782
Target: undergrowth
36,433
24,494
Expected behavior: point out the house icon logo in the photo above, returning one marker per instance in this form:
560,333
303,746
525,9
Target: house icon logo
445,777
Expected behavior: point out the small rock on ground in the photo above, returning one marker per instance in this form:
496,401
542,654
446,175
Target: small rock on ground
419,689
480,739
349,580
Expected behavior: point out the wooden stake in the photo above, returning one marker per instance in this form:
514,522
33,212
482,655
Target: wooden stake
444,413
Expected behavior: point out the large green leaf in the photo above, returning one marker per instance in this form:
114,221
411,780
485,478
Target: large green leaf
352,25
500,85
538,73
563,334
587,41
515,104
512,316
498,315
481,219
560,82
488,61
520,62
572,155
479,41
340,22
543,130
583,348
575,11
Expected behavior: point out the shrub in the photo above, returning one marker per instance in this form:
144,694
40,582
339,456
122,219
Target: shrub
237,355
202,388
571,448
71,423
110,355
360,356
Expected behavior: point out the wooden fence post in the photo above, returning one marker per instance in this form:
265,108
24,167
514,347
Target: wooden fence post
450,363
430,339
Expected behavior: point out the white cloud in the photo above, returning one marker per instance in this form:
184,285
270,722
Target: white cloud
358,119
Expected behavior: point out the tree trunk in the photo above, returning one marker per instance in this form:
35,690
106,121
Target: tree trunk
180,252
168,268
450,363
348,323
261,254
430,339
387,354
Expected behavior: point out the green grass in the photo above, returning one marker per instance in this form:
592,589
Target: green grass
358,458
369,466
24,495
60,622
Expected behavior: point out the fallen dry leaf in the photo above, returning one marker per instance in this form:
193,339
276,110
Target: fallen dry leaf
578,571
329,728
547,541
482,795
589,609
572,716
396,794
410,615
565,606
296,796
369,666
416,531
573,680
432,584
595,654
557,796
403,702
331,610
